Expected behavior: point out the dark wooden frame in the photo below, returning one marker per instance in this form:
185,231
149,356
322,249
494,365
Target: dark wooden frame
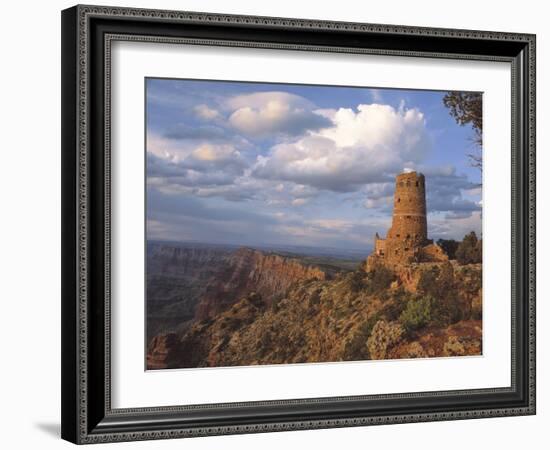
87,32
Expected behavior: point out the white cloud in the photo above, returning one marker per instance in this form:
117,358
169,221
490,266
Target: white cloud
193,154
258,100
168,149
181,167
363,146
214,153
381,128
264,113
206,113
299,201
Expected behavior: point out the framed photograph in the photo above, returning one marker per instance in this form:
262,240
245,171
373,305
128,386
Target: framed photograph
280,224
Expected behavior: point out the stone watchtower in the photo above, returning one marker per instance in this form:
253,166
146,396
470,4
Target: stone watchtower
409,222
407,239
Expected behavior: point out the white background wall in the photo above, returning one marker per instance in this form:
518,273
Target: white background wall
30,224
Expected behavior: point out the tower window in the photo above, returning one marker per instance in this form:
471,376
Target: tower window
398,200
417,184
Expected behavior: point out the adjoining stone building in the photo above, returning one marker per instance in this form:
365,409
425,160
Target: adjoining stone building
407,239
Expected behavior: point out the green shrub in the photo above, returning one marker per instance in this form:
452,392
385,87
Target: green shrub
417,313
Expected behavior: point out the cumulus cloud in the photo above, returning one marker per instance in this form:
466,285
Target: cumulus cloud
299,201
208,156
206,113
364,146
265,113
258,100
170,175
205,165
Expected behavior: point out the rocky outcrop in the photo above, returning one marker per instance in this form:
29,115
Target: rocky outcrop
247,271
411,275
433,253
460,339
161,351
384,335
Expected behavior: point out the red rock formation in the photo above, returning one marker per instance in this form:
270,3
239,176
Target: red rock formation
460,339
250,271
160,351
433,253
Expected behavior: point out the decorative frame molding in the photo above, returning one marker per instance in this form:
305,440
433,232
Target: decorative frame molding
88,31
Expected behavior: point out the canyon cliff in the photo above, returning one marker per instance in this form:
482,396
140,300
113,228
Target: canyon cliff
186,284
248,270
177,277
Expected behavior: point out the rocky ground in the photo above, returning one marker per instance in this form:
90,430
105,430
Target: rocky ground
272,310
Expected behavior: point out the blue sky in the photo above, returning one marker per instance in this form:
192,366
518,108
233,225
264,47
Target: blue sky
278,164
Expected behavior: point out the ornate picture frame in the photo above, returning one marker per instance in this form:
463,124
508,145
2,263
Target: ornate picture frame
88,33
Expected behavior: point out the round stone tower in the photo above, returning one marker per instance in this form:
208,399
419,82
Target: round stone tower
409,209
407,240
409,228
